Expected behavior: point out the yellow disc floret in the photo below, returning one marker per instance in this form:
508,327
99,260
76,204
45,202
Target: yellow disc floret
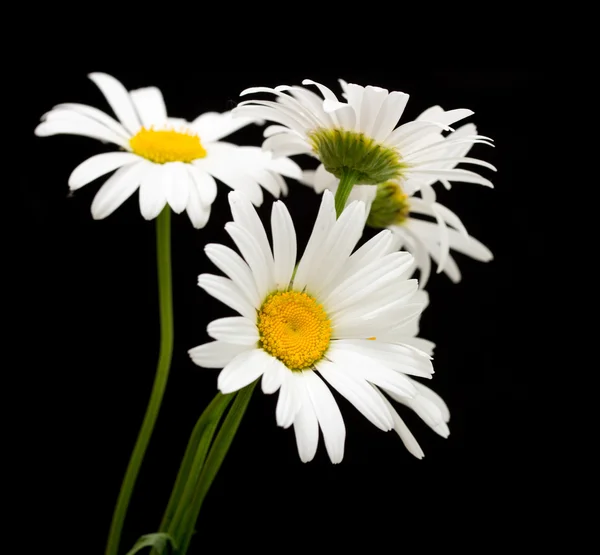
294,328
166,145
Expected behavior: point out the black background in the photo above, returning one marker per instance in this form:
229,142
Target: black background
91,321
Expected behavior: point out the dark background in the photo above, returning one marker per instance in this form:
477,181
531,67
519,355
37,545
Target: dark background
91,320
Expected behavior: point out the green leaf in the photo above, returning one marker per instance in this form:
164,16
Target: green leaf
215,457
194,457
159,541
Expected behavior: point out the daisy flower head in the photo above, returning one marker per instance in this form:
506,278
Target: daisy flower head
340,316
170,160
421,225
357,140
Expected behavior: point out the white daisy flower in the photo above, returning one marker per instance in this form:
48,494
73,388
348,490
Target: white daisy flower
358,141
170,160
348,319
393,205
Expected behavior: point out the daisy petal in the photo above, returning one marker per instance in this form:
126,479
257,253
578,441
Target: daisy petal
212,126
403,432
328,414
359,392
205,184
234,267
118,188
228,293
215,354
152,194
288,403
177,183
150,106
306,426
242,370
119,100
284,245
99,165
323,225
85,128
97,115
274,375
253,255
245,215
235,329
196,210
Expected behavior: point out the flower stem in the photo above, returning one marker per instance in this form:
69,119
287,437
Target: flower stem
165,297
347,181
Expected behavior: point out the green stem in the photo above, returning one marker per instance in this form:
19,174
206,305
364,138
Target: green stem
165,297
184,530
347,181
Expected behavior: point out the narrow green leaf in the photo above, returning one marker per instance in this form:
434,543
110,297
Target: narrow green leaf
195,455
159,541
215,458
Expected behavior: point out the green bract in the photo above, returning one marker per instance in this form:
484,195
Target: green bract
390,206
343,151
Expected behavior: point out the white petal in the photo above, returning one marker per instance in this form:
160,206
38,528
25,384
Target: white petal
215,354
235,329
397,357
254,257
212,126
334,253
150,106
464,176
234,267
196,210
177,183
359,392
328,414
119,100
274,375
118,188
405,434
288,403
306,426
469,246
99,165
427,410
245,215
242,370
325,180
97,115
84,127
152,194
389,115
284,244
373,99
371,370
371,278
434,398
375,248
323,225
228,293
205,184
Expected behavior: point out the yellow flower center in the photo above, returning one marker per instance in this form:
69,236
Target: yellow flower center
166,145
294,328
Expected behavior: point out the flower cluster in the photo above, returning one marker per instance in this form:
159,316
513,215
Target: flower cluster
342,319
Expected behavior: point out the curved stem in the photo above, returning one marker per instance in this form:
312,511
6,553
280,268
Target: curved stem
347,181
165,297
